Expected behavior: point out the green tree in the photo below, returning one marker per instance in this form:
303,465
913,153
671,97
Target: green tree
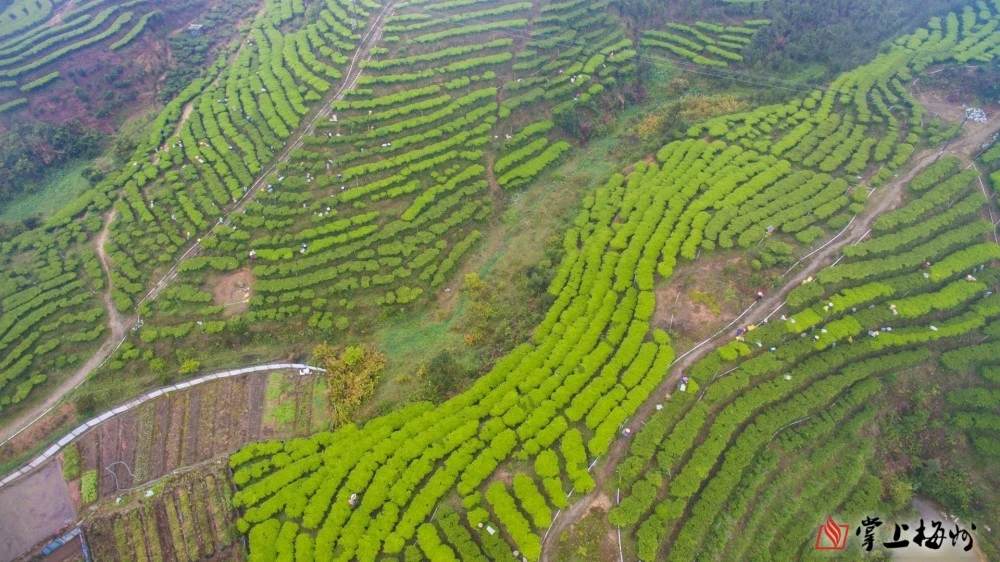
444,374
352,375
189,366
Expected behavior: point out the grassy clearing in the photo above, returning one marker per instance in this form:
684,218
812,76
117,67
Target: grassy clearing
71,463
279,402
320,418
61,186
409,343
532,217
591,539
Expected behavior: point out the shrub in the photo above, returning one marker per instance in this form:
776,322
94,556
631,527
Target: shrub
88,487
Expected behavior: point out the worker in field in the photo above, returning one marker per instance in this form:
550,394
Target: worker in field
759,297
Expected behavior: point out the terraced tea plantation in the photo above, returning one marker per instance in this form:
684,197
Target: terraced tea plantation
816,368
55,291
344,163
29,50
706,44
506,453
383,196
183,182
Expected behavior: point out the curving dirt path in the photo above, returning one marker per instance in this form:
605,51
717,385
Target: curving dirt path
118,323
882,200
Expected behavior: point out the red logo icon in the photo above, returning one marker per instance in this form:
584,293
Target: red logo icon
832,535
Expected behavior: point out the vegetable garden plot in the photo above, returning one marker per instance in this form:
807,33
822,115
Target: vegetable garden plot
185,519
190,426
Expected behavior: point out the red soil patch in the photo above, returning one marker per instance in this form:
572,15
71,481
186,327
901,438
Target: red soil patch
135,89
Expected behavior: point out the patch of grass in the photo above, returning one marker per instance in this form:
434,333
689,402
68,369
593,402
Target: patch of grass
219,512
701,297
189,524
582,542
408,343
71,462
320,419
303,406
138,536
531,218
279,402
153,540
147,421
121,539
199,506
60,187
88,487
176,534
540,212
274,387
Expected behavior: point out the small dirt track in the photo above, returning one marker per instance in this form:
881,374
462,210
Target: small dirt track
119,327
883,199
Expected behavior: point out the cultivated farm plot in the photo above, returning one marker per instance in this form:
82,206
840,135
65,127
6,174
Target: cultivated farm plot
187,427
187,518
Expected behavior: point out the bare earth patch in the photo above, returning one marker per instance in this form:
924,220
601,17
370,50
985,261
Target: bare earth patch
591,539
37,508
232,291
602,502
693,304
951,106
